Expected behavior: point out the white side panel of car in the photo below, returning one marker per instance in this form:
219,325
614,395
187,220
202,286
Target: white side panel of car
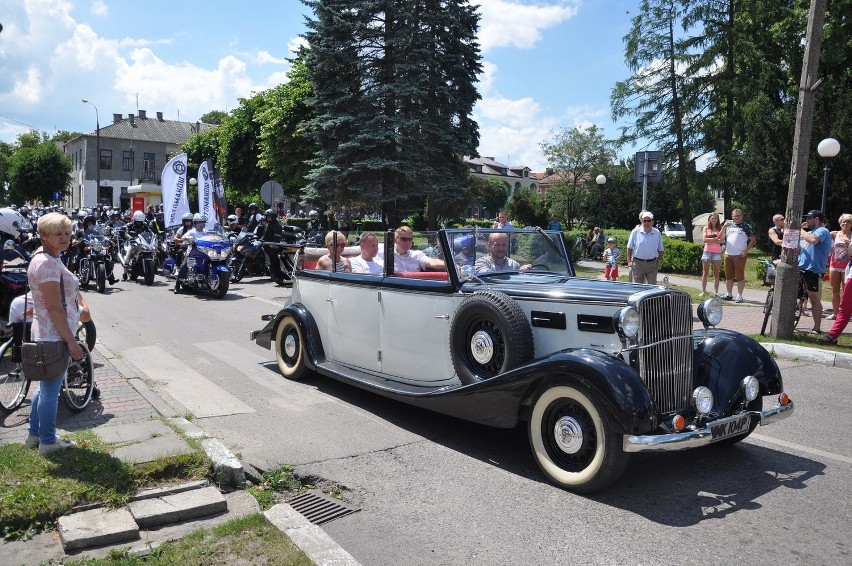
353,326
550,340
415,330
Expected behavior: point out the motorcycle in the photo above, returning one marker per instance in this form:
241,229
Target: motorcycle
248,258
207,264
169,253
95,261
137,256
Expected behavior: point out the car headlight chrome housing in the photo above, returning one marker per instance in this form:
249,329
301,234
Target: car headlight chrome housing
750,387
626,322
702,400
710,312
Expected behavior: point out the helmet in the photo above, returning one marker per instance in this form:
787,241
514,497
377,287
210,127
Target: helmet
199,218
114,212
151,208
232,218
89,220
313,214
185,217
269,212
24,210
139,216
258,217
254,206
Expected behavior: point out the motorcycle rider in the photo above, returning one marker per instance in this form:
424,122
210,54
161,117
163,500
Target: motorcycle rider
253,217
177,244
314,222
90,228
273,232
198,223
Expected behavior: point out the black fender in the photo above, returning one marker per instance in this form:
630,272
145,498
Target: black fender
616,384
313,343
721,361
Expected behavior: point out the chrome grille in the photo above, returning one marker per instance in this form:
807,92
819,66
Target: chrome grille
665,354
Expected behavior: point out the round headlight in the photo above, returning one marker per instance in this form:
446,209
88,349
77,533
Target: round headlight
751,387
710,312
628,322
702,399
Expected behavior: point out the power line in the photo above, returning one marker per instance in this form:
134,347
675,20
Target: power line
23,124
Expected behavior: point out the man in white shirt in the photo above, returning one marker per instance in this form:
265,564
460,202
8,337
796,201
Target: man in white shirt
367,262
405,259
645,250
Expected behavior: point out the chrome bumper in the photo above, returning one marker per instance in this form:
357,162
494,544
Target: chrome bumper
698,437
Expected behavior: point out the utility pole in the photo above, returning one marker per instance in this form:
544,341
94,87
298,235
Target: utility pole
787,278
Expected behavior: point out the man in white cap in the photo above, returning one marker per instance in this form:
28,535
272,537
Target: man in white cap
644,250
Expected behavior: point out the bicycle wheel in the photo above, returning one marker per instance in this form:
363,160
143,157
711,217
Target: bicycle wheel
79,382
13,384
767,311
86,332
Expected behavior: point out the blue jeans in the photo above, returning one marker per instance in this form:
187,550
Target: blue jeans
44,408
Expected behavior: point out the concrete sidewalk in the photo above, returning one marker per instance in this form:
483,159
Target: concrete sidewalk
141,427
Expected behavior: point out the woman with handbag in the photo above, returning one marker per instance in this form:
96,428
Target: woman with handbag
55,316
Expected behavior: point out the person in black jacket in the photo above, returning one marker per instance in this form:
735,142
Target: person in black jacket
273,233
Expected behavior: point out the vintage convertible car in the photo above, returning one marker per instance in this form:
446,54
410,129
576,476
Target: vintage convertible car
597,369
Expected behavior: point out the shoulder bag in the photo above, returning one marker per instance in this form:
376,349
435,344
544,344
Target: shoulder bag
44,360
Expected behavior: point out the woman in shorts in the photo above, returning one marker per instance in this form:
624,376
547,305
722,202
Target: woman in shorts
712,253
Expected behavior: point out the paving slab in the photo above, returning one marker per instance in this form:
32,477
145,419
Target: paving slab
178,507
97,527
132,432
153,448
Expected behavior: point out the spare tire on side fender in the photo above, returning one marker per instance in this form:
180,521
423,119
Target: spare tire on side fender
490,335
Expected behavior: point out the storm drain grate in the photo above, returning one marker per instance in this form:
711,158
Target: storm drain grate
318,508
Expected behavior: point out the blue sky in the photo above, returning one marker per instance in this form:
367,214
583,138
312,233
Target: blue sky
548,64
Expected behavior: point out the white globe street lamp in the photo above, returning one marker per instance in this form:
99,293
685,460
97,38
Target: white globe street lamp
601,181
827,149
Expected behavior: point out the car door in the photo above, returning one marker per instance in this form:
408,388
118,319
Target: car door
353,328
415,320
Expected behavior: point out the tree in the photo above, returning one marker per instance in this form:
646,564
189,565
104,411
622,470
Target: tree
238,147
37,171
528,208
658,97
6,152
393,93
577,156
492,194
214,117
285,148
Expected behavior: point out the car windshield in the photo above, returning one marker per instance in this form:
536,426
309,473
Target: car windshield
493,251
676,227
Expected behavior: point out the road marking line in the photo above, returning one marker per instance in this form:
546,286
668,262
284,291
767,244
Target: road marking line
801,448
199,395
247,296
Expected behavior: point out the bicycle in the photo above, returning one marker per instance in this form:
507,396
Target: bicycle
769,279
77,389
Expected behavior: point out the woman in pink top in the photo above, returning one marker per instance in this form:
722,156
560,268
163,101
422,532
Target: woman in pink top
838,260
712,252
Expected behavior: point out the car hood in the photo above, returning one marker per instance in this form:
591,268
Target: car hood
554,286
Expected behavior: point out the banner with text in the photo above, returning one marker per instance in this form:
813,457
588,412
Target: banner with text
175,201
205,194
220,203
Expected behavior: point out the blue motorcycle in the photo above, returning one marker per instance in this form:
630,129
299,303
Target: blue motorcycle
207,264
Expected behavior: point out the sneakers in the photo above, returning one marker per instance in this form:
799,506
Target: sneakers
701,294
739,298
828,339
55,447
830,317
31,441
726,298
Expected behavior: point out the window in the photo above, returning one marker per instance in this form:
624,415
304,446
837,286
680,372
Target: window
105,196
149,170
127,161
106,159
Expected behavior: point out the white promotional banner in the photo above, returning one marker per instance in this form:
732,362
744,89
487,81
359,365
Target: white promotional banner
205,194
175,201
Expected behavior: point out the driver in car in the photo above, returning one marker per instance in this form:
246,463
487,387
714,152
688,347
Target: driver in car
497,258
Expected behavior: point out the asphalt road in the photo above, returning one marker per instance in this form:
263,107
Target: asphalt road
436,490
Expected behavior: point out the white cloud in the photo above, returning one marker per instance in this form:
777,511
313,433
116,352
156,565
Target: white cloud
507,23
264,57
99,8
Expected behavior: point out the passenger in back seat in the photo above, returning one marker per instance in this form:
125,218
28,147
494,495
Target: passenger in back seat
326,262
367,262
406,259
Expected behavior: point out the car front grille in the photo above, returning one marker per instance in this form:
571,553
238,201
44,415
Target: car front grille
665,354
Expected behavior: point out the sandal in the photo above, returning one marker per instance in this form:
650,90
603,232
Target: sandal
828,339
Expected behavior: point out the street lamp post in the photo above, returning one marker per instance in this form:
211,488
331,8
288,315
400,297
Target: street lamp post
98,151
827,149
601,181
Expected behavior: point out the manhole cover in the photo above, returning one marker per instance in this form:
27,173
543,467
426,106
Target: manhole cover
318,508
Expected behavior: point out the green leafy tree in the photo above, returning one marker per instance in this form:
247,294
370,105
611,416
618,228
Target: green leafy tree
36,171
528,208
658,97
577,156
6,152
285,148
65,136
492,194
214,117
238,148
393,95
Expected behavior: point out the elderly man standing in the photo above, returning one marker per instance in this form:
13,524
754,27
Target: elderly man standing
739,239
645,250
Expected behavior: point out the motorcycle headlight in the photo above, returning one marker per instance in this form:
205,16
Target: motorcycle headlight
97,247
216,254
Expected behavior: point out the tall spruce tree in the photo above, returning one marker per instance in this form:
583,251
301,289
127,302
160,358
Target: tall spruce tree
394,87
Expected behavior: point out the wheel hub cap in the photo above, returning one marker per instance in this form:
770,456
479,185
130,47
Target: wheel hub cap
290,345
482,347
568,434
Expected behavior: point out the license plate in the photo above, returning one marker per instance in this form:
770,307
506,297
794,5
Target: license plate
729,427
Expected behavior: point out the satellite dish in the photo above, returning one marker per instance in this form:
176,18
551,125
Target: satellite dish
271,192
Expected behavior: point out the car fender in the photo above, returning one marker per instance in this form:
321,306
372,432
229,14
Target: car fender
313,342
724,358
616,384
